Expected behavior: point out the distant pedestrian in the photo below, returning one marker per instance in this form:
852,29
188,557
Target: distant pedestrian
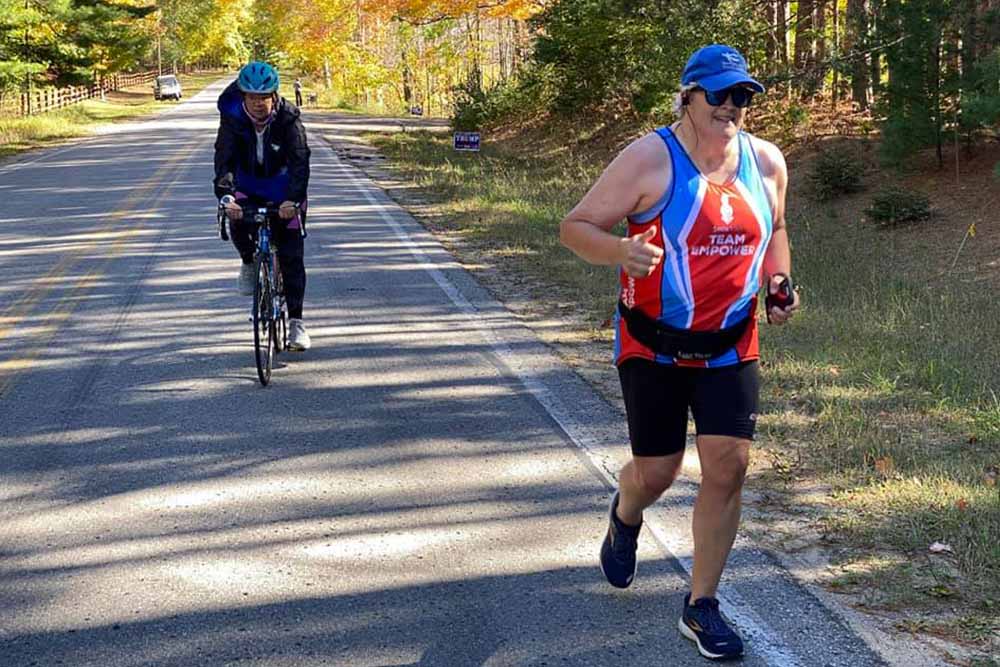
705,204
298,92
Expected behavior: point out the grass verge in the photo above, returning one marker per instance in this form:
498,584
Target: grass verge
22,134
884,391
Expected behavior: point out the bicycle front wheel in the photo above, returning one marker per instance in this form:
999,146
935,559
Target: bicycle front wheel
263,321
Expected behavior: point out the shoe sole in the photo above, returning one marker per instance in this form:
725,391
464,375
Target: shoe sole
600,556
690,634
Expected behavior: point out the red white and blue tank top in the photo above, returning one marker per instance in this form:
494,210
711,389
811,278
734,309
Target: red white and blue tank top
714,238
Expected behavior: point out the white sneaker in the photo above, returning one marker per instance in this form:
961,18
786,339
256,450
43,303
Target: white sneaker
247,281
298,339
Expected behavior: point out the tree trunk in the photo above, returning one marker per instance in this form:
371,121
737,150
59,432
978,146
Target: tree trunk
969,41
819,37
803,35
781,30
407,79
836,52
935,75
771,44
407,72
876,7
856,43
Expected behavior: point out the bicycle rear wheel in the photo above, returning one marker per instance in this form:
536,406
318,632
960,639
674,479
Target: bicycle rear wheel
263,321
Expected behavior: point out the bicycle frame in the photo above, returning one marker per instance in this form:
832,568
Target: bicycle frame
266,253
269,310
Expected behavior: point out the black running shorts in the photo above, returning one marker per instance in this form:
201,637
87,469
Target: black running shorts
723,401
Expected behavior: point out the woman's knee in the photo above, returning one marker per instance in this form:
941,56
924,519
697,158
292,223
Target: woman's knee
728,470
655,478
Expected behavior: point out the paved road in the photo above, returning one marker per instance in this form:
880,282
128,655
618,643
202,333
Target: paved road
427,486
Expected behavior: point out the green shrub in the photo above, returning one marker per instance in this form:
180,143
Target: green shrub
837,171
470,108
477,109
896,206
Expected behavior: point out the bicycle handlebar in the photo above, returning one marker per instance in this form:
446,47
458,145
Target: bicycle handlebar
266,211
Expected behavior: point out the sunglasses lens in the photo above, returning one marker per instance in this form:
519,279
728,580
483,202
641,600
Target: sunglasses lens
741,96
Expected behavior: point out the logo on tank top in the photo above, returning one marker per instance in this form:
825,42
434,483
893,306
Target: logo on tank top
628,294
726,210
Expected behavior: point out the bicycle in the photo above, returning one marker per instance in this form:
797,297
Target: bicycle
269,312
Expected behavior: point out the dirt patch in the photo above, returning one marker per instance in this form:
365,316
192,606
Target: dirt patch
960,196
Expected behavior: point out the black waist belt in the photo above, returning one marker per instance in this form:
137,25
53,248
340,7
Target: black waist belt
681,343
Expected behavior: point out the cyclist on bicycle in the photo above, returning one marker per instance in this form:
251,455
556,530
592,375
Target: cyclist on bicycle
261,156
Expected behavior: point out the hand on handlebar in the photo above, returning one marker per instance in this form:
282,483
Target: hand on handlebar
233,210
239,209
287,210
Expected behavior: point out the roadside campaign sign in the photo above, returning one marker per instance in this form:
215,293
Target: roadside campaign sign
466,141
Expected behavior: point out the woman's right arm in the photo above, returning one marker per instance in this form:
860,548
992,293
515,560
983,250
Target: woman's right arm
225,152
632,183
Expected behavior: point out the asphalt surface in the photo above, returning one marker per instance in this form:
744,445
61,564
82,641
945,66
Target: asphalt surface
427,486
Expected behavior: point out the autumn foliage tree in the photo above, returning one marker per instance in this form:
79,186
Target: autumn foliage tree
921,69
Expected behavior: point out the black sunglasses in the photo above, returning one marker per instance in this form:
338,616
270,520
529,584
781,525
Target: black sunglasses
741,96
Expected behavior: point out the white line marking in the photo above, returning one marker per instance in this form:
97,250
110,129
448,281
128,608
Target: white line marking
765,643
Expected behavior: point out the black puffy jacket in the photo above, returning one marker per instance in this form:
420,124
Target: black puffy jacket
286,151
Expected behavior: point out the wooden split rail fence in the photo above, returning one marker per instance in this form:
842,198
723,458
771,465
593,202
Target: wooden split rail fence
50,99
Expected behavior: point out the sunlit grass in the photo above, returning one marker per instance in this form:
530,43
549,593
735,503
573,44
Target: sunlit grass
908,509
19,134
509,208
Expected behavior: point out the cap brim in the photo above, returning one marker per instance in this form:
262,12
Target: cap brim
729,79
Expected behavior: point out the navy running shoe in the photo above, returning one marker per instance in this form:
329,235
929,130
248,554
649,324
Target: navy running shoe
703,624
618,549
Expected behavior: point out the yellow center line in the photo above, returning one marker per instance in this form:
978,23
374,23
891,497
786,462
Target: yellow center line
41,287
22,306
10,368
60,313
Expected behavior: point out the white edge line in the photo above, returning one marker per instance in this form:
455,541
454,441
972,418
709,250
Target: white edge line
765,643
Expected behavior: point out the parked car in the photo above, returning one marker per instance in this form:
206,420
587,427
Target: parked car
167,86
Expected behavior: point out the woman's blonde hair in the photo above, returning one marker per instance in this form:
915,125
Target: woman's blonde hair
679,96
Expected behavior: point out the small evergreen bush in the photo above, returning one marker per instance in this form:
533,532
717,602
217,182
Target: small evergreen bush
837,171
897,206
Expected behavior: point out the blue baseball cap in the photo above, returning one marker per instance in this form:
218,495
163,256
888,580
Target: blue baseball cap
716,67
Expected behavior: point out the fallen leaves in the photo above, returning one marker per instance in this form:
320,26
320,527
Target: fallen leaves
885,466
941,548
942,591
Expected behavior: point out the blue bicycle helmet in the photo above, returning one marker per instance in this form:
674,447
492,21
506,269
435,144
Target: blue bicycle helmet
258,77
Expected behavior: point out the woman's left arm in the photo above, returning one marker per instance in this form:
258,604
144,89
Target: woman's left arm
778,256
